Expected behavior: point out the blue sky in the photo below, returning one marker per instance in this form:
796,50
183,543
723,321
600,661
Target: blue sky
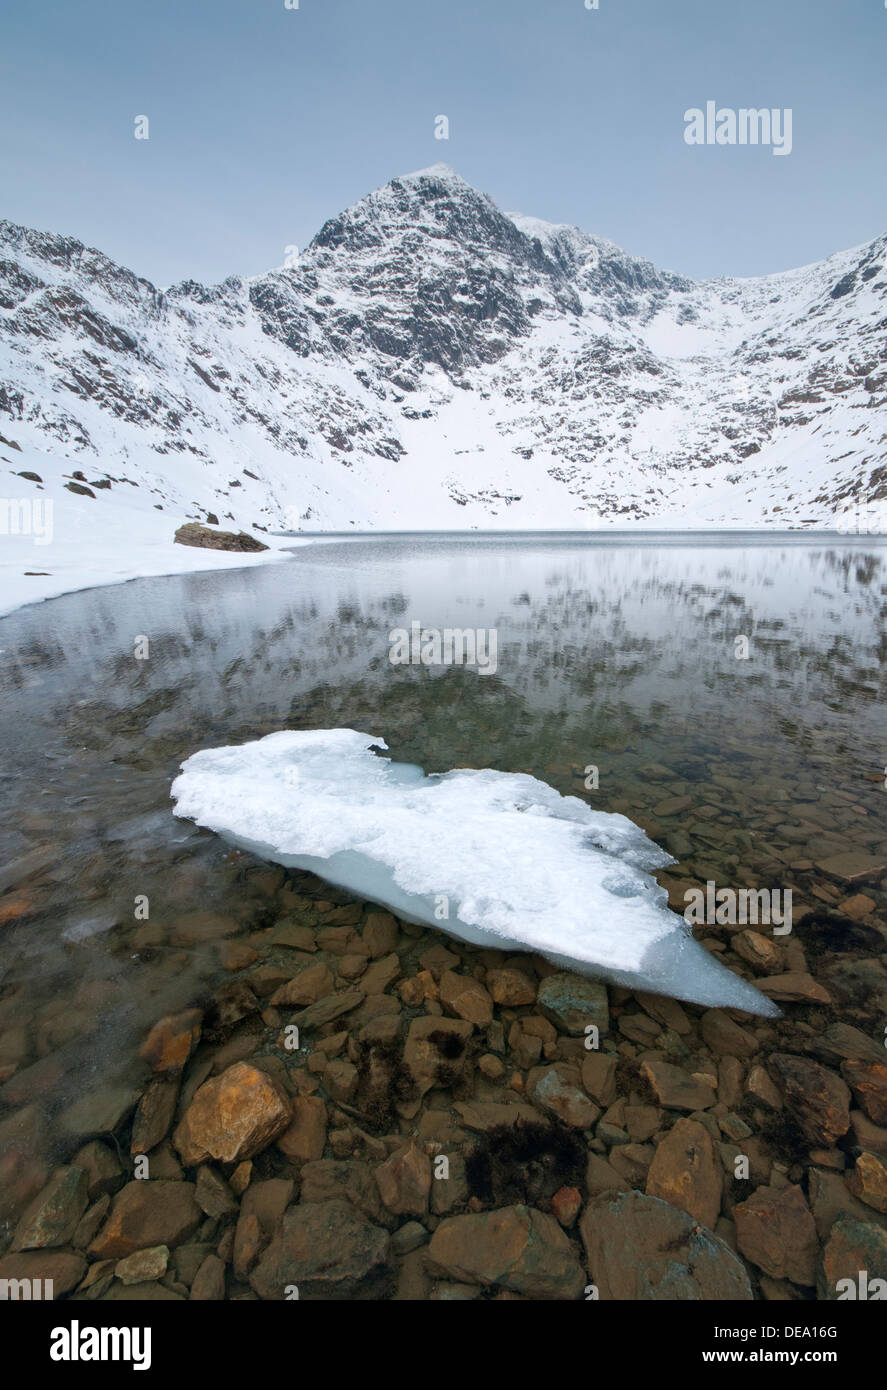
265,121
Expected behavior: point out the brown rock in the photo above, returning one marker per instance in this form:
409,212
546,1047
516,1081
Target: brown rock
417,989
381,974
666,1011
599,1077
830,1201
466,997
573,1003
437,959
54,1214
172,1040
433,1043
856,1254
760,952
675,1088
795,987
232,1117
726,1038
102,1167
515,1248
90,1222
380,934
330,1179
858,906
853,865
240,1179
775,1230
511,987
815,1096
306,1136
311,984
731,1075
866,1134
849,1044
566,1205
195,533
209,1281
194,928
248,1244
154,1115
63,1269
143,1266
327,1251
451,1191
558,1090
868,1181
869,1082
686,1172
760,1085
340,1079
633,1162
325,1010
212,1193
601,1176
147,1213
491,1066
405,1182
642,1122
641,1248
482,1116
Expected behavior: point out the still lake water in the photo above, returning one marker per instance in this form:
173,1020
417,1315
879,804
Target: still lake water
613,652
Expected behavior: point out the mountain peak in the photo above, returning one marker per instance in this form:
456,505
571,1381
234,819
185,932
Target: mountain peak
444,172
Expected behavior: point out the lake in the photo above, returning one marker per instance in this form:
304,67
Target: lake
727,693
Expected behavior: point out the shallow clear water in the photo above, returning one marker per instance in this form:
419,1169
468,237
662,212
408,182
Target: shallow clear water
611,652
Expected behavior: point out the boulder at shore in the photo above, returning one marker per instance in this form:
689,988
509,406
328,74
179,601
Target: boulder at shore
193,533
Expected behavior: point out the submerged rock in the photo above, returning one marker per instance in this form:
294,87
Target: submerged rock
775,1230
516,1248
232,1117
326,1250
641,1248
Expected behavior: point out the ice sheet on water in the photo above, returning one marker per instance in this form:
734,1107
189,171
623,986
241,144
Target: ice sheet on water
517,865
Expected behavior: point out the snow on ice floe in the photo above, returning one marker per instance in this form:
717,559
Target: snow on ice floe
518,865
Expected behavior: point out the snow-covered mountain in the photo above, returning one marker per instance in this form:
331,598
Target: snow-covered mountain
430,361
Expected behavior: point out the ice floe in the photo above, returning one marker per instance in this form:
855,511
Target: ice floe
495,858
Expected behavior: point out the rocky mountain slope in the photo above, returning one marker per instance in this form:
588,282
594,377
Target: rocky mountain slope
431,361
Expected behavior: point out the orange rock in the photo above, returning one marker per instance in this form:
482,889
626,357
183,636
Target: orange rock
15,905
566,1205
172,1040
236,955
511,987
686,1171
306,1136
232,1117
417,989
869,1083
404,1182
858,906
776,1231
868,1181
466,997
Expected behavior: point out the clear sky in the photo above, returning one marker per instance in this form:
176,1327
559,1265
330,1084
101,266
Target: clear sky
264,121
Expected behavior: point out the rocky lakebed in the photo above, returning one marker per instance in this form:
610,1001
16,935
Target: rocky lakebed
437,1127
